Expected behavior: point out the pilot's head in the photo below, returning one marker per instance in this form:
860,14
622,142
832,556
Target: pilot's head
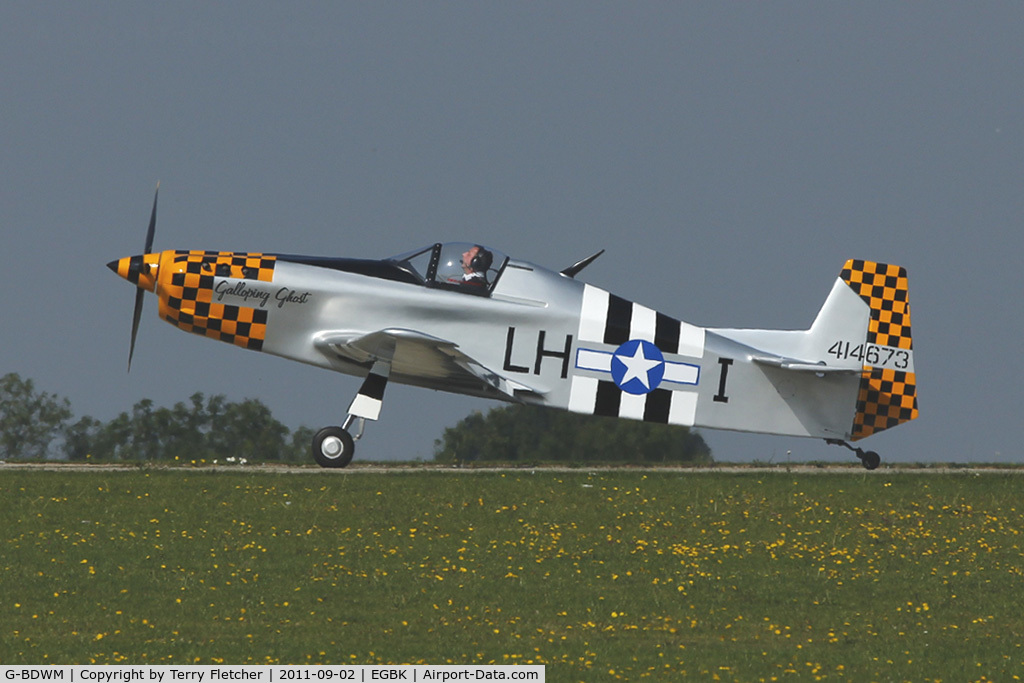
476,259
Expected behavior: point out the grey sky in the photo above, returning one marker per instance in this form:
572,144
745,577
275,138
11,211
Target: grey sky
729,156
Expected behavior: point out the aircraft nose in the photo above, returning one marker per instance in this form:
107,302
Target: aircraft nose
138,270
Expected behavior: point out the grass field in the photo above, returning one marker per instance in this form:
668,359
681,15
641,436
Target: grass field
601,576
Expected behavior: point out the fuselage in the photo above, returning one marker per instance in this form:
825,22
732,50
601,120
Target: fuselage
559,342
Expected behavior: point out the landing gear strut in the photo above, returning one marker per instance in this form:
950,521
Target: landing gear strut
335,446
869,459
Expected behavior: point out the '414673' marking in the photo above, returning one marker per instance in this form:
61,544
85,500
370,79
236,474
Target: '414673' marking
872,354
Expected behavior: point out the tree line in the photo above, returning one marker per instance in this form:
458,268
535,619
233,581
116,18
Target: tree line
35,425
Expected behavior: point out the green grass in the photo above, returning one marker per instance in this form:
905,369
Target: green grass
601,576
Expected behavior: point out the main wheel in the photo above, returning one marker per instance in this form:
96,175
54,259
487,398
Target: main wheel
333,447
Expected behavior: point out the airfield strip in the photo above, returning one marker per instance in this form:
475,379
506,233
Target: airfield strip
405,468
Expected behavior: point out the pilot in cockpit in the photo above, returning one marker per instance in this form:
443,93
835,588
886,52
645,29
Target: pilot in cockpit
475,262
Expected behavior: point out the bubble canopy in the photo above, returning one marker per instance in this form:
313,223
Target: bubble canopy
462,266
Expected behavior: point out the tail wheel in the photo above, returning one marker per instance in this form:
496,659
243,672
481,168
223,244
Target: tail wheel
870,460
333,447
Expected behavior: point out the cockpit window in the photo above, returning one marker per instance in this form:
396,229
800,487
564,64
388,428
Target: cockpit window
417,261
460,266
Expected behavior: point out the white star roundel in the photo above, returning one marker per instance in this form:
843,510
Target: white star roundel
638,367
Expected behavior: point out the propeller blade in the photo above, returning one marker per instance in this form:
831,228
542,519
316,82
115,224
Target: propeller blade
140,294
152,222
136,316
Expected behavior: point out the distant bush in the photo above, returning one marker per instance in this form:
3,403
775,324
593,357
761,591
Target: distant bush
527,433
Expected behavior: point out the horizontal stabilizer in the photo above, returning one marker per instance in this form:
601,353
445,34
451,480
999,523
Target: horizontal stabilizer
803,366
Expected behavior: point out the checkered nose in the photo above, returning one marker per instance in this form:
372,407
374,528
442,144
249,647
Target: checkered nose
141,270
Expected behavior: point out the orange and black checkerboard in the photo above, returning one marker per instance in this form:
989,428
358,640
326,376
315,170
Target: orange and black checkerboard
887,396
186,298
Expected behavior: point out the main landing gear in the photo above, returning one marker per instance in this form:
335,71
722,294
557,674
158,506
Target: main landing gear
869,459
335,446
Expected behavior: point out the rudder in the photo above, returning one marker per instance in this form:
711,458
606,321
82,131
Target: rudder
888,385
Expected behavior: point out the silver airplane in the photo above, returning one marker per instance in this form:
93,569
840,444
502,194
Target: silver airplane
468,319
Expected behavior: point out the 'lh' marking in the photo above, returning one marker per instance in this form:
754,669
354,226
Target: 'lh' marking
563,354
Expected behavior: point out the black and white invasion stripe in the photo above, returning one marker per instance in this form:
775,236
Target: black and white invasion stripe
608,321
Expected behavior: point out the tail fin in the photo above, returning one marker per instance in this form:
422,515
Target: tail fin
888,384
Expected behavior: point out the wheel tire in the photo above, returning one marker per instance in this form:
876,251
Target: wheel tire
871,460
333,447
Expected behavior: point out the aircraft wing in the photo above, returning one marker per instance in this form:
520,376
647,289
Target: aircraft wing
434,362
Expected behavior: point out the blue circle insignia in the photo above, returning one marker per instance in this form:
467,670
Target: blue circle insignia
638,367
